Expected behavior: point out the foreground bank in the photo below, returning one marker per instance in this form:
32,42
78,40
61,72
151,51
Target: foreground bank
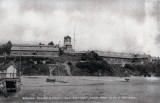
87,89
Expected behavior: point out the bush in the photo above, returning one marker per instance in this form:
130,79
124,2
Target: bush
90,56
35,69
94,67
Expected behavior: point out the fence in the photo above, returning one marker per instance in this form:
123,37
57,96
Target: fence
9,75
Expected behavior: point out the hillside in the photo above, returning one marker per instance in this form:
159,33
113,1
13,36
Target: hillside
87,65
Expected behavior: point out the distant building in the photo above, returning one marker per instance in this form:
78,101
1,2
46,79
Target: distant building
34,50
120,58
155,59
67,45
124,58
116,58
141,58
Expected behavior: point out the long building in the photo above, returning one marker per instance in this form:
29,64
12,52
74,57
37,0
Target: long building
120,58
34,50
54,51
124,58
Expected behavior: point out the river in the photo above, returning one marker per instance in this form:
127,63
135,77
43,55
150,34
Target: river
87,90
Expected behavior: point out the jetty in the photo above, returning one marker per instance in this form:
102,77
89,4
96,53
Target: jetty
9,79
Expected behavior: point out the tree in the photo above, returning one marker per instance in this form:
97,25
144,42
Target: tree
95,67
1,50
7,47
90,56
60,52
51,43
41,44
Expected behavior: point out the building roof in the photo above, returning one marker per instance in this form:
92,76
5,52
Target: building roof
32,45
117,55
122,55
34,48
114,55
80,52
67,37
4,66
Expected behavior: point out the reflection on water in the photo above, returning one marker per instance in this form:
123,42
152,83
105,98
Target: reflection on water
99,89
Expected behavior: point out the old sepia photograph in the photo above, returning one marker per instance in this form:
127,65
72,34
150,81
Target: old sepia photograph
79,51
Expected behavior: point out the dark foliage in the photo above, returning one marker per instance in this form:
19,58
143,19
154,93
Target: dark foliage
95,67
51,43
90,56
144,70
35,69
60,52
6,48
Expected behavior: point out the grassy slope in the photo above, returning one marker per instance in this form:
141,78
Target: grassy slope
29,68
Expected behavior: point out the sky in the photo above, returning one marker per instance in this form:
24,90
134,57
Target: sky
129,26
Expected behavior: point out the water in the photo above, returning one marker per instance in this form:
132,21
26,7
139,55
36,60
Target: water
88,90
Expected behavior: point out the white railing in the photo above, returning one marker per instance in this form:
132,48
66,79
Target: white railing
9,75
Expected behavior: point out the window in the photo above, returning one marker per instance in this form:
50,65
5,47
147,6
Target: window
15,53
25,53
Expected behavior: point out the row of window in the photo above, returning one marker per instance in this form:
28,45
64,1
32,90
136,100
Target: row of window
118,60
67,40
34,53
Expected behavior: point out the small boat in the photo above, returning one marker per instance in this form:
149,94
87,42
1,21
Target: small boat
126,79
123,80
50,80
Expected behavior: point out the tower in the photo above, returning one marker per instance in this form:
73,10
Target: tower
67,40
67,45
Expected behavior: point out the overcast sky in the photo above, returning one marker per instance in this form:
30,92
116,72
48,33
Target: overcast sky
131,26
